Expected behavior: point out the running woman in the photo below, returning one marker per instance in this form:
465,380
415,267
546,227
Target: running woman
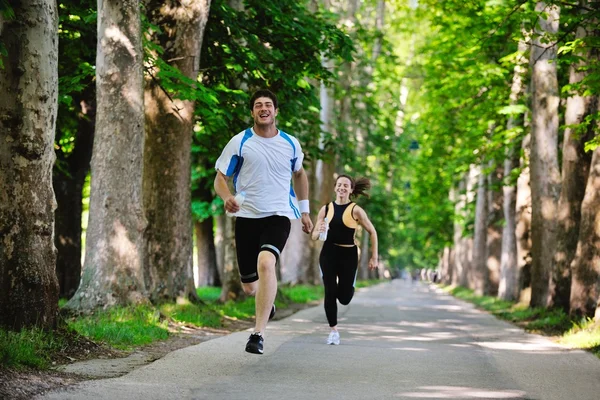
339,255
262,162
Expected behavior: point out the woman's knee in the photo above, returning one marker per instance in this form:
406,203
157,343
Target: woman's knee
346,298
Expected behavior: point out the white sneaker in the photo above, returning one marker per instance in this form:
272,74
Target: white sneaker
334,338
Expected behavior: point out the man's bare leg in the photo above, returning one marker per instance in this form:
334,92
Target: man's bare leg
266,291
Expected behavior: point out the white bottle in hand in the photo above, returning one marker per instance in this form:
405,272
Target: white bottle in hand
323,235
239,199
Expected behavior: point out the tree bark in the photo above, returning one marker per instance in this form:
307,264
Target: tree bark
113,268
523,221
494,231
585,287
28,105
480,273
230,277
575,170
167,152
208,272
459,274
508,286
545,174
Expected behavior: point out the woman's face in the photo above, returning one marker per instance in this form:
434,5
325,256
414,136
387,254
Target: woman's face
343,187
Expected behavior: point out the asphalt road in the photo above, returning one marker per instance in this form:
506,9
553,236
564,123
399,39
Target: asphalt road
398,341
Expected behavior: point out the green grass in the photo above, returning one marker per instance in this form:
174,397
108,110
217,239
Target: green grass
302,294
28,348
122,327
539,320
129,327
583,335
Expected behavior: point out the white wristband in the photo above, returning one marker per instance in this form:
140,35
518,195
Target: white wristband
304,206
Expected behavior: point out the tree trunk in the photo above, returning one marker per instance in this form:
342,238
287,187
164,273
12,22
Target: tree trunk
459,274
28,105
494,231
545,174
220,222
480,275
575,170
295,255
167,152
322,180
113,268
68,183
508,287
585,287
208,272
447,266
230,277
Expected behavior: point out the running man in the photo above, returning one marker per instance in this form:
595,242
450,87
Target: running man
262,162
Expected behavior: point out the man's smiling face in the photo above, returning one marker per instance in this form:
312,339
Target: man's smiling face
264,111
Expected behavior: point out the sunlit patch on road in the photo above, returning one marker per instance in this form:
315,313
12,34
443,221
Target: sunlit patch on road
461,392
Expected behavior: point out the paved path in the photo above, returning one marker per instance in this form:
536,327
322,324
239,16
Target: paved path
399,341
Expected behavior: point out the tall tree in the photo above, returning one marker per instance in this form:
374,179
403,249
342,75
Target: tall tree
167,152
523,218
494,229
508,287
113,269
575,165
480,255
28,105
545,174
585,286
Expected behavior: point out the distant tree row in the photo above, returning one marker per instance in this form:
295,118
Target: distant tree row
504,184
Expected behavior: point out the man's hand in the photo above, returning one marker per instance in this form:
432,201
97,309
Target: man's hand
307,224
231,206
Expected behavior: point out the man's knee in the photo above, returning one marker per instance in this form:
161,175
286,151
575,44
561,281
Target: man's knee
249,288
266,263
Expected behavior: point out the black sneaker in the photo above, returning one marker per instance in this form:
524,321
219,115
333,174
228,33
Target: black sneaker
255,344
272,312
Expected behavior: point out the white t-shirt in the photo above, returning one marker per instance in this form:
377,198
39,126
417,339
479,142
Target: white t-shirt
262,168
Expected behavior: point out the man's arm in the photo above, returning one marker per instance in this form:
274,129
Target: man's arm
222,189
301,188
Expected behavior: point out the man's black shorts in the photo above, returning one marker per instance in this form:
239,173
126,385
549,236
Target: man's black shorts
253,235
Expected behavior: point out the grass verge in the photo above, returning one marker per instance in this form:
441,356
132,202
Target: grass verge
580,334
126,328
28,348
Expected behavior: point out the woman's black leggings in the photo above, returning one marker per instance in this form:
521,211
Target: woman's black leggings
338,269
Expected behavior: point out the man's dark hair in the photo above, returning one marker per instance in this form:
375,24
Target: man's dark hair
263,93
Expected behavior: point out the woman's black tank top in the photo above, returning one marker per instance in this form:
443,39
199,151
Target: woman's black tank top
342,224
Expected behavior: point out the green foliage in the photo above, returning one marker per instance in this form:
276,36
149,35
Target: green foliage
27,348
122,327
76,74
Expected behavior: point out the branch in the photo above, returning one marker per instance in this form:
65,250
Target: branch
514,10
175,108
